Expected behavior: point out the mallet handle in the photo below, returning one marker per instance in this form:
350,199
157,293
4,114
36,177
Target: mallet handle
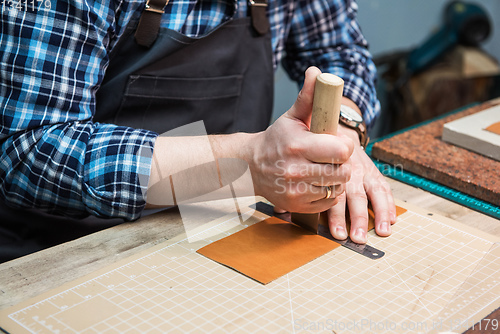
325,119
326,104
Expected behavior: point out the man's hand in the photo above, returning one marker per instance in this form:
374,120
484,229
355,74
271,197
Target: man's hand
366,184
292,167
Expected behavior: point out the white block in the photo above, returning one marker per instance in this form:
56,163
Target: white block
469,132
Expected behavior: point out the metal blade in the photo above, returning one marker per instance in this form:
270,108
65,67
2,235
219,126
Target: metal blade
320,229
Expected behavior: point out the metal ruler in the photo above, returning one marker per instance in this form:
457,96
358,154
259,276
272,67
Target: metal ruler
363,249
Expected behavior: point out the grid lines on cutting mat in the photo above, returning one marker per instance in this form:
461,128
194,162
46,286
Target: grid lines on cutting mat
175,289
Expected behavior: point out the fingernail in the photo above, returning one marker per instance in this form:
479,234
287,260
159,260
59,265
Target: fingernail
340,233
385,227
360,235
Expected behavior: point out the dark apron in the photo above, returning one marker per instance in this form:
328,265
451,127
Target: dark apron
224,79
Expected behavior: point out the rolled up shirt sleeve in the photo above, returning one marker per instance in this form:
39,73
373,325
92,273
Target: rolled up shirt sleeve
326,34
53,156
77,168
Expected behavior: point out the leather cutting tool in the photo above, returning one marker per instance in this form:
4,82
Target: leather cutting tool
320,227
325,119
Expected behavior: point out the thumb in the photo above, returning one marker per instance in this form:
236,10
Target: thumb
302,108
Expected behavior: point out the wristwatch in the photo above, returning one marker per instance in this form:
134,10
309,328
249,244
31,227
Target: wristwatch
350,118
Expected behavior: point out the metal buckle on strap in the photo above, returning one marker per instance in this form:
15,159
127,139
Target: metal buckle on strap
262,3
153,8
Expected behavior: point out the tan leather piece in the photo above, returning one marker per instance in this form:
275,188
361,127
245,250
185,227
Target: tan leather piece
268,250
495,128
400,210
271,248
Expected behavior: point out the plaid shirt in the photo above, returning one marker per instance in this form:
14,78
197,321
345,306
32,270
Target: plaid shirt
53,58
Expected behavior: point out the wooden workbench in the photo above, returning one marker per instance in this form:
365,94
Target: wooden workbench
34,274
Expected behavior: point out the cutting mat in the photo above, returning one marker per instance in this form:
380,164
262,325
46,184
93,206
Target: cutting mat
170,288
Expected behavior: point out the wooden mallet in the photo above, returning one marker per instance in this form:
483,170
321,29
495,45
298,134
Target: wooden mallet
325,119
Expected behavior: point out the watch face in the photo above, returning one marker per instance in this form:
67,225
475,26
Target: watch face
350,114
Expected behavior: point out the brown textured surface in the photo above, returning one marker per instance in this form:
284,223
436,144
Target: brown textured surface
422,152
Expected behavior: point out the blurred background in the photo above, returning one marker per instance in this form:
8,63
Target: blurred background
432,56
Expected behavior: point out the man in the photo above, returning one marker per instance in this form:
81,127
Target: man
88,86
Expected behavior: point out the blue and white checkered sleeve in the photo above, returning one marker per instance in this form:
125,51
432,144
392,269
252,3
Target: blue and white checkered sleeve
325,33
77,168
52,155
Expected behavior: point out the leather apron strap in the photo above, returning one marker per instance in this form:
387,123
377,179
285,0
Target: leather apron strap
258,12
149,23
